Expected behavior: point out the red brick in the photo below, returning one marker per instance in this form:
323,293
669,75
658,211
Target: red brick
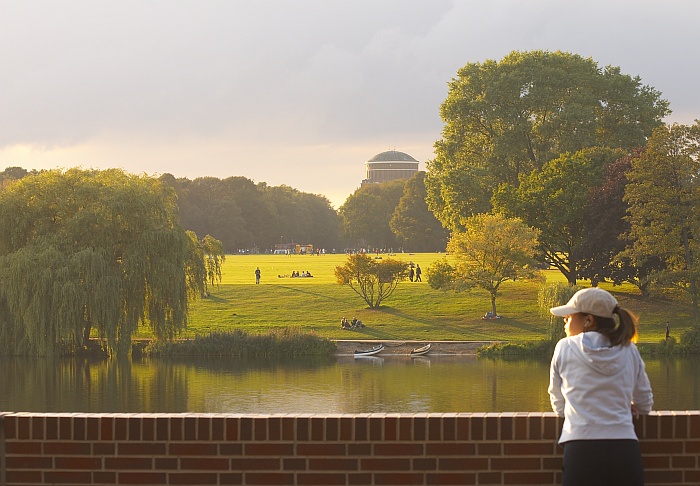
398,449
398,478
67,448
320,479
684,462
274,428
141,478
90,463
176,428
148,428
419,428
355,449
435,428
661,447
663,477
106,428
51,428
491,428
129,463
120,428
528,448
515,463
37,428
318,428
192,478
72,477
449,449
691,446
332,428
535,427
231,478
345,428
360,478
489,449
134,425
270,479
203,463
248,464
162,428
656,462
268,449
232,429
93,428
10,426
141,448
464,464
449,428
506,428
405,426
333,465
288,428
321,449
293,464
28,462
245,431
476,427
528,478
361,428
450,478
23,448
387,464
17,477
218,428
203,428
102,477
376,427
23,427
230,449
79,428
165,463
193,449
462,426
260,428
489,478
424,464
103,448
190,428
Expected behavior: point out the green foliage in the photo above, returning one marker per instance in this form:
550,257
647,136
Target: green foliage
86,250
556,200
278,343
517,350
373,280
664,208
366,214
491,250
503,120
552,295
415,227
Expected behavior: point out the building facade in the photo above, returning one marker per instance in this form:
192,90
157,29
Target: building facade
389,166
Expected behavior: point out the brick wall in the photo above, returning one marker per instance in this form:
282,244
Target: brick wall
313,449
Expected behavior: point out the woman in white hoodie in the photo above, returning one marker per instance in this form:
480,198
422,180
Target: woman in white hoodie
598,384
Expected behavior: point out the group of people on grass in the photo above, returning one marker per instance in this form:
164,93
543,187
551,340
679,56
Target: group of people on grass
354,324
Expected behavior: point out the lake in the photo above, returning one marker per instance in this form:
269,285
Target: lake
393,384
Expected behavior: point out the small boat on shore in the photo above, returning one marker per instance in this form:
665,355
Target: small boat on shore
421,351
369,352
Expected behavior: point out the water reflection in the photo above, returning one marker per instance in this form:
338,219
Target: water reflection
333,385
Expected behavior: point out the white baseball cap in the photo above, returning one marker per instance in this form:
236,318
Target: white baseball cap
595,301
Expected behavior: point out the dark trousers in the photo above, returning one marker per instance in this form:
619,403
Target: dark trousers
603,462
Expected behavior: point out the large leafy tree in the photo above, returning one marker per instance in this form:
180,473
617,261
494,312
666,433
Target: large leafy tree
556,200
366,214
414,225
373,280
491,250
86,250
664,207
508,118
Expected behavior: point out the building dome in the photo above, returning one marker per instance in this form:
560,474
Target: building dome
389,166
392,156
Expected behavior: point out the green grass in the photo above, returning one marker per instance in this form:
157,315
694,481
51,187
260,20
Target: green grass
413,312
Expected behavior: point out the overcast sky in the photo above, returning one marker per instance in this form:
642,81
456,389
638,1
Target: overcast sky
294,92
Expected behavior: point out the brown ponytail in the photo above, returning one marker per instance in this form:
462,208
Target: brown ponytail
624,333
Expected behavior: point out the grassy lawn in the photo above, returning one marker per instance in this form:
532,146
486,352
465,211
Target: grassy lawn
413,312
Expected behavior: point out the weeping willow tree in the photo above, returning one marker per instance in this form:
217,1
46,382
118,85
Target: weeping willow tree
88,251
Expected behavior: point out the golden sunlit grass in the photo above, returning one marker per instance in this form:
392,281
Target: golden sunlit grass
413,312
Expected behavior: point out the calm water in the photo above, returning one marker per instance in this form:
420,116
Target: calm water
337,385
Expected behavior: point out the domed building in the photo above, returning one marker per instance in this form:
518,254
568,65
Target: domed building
389,166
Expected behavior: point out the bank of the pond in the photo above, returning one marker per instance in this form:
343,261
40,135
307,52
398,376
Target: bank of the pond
438,348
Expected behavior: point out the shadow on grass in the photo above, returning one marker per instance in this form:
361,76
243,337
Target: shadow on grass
316,294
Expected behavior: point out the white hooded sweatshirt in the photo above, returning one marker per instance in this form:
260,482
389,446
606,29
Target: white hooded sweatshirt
593,385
